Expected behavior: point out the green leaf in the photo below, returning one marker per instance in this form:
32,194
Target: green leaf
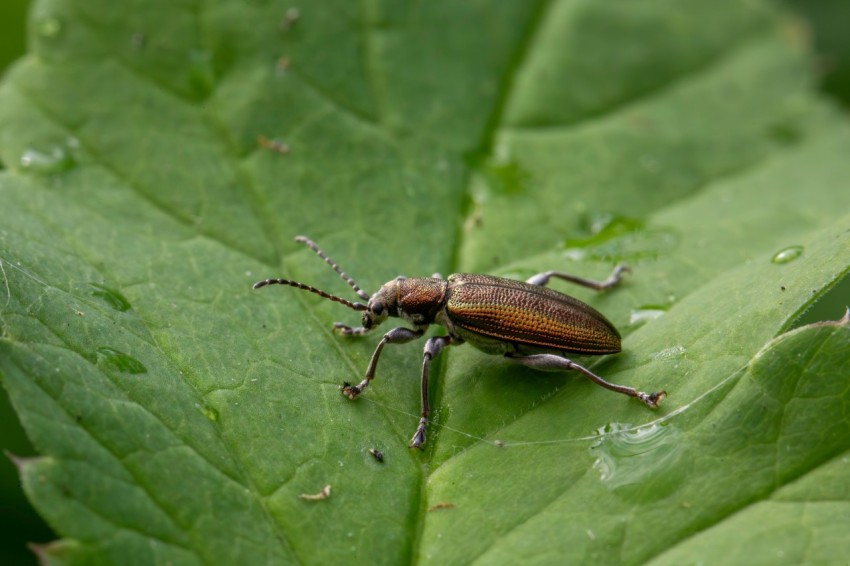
161,156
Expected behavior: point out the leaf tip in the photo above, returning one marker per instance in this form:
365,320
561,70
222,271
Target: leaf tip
18,461
51,552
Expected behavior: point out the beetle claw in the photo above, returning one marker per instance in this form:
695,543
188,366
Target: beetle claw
652,400
419,436
350,391
418,439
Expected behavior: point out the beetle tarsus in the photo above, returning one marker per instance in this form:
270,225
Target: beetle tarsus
652,400
419,436
346,330
351,391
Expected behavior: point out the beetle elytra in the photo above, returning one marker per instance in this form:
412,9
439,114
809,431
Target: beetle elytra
526,322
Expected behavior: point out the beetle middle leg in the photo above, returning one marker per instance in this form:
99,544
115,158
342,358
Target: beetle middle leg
398,335
432,348
542,279
555,362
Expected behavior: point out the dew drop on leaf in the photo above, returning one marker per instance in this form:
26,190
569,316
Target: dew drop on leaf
51,160
787,255
646,313
120,361
208,412
112,297
629,456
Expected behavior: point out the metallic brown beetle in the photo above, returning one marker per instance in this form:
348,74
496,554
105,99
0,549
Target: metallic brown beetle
524,321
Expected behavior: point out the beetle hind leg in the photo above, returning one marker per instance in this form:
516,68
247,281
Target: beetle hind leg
542,279
554,362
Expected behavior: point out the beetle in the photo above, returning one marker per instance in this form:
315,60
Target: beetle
526,322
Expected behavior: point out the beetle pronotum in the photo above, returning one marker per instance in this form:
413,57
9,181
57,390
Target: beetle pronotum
526,322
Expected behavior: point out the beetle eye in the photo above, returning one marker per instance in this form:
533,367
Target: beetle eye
378,308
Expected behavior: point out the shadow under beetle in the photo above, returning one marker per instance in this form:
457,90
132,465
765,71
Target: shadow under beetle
525,322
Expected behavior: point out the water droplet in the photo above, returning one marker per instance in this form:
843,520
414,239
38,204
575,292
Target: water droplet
53,160
646,313
49,27
112,297
575,254
617,238
787,255
208,412
506,177
639,461
120,361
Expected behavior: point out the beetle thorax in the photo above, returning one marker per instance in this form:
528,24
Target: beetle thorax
420,299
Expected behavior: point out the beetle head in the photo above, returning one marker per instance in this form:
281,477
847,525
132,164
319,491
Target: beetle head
382,305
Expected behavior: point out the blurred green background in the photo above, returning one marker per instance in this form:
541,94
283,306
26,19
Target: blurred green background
19,524
828,20
13,17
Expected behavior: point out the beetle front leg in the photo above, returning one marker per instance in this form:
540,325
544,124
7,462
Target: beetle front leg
398,335
432,348
542,279
555,362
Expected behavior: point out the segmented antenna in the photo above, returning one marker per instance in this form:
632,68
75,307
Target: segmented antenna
349,304
312,245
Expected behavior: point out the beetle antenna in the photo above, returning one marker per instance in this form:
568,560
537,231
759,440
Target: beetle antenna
349,304
312,245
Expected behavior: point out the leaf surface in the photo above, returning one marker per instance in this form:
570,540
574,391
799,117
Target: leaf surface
161,156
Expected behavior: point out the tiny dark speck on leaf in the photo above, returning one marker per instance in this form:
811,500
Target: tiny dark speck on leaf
292,15
439,506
